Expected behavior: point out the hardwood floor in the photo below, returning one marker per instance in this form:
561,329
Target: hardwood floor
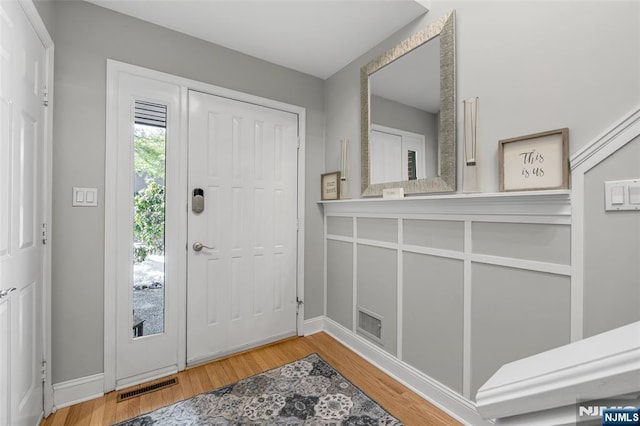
394,397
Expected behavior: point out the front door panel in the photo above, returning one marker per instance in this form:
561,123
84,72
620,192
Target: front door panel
241,289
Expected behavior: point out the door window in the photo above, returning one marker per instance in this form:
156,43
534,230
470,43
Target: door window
149,146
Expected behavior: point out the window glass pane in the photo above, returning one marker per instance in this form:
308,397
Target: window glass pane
148,227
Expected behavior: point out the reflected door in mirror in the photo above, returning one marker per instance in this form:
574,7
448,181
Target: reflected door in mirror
396,155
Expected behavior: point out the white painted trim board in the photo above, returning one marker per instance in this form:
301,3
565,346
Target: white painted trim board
76,391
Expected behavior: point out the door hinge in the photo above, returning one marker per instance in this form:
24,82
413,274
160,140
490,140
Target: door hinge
45,96
297,225
44,233
299,302
298,142
44,371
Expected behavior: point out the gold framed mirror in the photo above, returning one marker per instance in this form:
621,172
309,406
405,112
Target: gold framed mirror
408,114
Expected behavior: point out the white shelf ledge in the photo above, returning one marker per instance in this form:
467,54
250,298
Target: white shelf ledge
526,203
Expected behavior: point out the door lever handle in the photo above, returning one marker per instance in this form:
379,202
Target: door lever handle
198,246
5,293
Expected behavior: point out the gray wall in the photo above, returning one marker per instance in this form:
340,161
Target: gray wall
85,36
611,247
535,65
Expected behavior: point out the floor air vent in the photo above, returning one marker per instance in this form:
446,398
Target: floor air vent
123,396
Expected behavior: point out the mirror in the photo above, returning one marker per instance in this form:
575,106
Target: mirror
409,114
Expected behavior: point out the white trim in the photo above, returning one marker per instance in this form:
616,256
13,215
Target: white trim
302,132
577,258
76,391
378,243
429,251
609,142
555,203
400,290
325,264
600,366
433,391
313,325
466,311
531,265
41,31
339,238
110,241
584,160
110,197
354,307
146,377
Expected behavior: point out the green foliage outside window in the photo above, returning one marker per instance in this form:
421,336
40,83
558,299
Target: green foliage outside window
149,202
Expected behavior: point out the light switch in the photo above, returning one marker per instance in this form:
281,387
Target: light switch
84,197
617,195
622,195
634,193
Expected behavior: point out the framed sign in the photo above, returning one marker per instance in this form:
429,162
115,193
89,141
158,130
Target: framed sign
330,186
534,162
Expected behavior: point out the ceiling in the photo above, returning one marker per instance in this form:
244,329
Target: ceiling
316,37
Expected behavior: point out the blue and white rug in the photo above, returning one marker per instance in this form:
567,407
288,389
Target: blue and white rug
305,392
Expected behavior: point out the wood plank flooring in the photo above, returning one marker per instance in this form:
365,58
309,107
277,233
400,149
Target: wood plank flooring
394,397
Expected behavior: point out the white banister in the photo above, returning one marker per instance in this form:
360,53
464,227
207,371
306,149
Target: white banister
602,366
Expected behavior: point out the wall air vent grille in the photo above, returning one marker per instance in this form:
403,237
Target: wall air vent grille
370,324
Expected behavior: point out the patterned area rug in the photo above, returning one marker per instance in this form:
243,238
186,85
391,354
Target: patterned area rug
305,392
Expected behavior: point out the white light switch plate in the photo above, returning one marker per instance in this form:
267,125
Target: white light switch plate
84,197
622,195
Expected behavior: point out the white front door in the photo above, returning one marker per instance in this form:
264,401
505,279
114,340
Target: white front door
22,56
241,287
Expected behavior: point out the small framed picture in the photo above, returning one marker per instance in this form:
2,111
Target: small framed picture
535,162
330,186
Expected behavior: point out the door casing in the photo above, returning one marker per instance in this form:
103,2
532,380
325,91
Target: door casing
114,68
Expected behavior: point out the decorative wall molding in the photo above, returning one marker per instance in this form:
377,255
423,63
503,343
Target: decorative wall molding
609,142
600,366
433,391
78,390
555,203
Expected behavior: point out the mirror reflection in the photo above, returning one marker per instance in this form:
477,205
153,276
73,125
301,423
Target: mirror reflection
405,110
408,114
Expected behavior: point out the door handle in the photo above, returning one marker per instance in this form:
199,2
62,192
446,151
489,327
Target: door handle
198,246
4,293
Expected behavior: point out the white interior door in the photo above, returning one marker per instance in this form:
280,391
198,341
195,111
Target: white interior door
386,157
241,289
22,56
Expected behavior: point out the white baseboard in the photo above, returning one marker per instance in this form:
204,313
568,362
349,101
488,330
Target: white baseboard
433,391
78,390
313,326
